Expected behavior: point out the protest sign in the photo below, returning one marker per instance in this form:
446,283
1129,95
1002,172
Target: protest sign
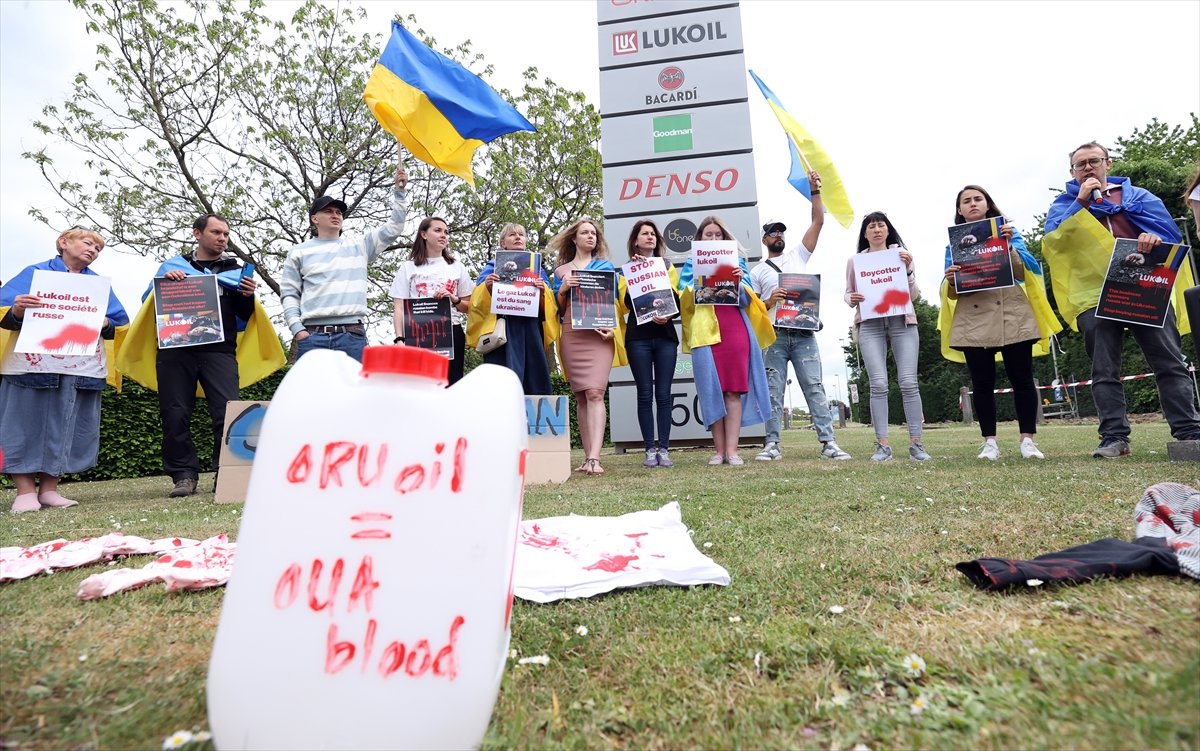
69,320
594,301
427,324
516,293
1137,287
187,311
881,278
981,253
713,264
649,284
800,307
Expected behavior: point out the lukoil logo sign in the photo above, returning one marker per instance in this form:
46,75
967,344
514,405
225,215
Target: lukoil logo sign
630,42
672,133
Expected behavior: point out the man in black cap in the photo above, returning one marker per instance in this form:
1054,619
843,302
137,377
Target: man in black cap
797,346
324,283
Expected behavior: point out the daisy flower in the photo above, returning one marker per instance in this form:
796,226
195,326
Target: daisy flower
914,665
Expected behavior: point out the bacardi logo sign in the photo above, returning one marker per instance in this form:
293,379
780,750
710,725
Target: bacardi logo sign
625,43
670,78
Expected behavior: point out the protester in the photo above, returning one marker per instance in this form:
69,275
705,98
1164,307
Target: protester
213,366
323,287
726,344
797,346
432,272
1080,229
588,355
653,349
993,323
874,335
527,339
50,406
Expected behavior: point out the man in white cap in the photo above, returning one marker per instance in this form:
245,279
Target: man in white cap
797,346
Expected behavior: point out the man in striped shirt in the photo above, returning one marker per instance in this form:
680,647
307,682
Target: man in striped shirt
324,284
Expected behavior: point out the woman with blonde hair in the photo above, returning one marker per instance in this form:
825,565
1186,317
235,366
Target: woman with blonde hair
588,355
726,343
528,340
50,404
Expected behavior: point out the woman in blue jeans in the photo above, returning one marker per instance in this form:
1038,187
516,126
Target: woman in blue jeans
653,348
874,335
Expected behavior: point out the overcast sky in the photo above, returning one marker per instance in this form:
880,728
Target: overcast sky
894,91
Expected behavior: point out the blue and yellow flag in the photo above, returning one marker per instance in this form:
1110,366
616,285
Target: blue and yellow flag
806,154
438,109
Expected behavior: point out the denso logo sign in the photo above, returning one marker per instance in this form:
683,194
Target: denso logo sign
679,184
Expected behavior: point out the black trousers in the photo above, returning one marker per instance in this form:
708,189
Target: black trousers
1018,363
179,370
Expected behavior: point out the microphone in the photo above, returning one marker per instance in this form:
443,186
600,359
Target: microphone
1096,196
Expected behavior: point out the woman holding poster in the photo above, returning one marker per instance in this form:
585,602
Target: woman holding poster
526,339
653,348
875,333
588,355
977,327
432,272
726,343
50,404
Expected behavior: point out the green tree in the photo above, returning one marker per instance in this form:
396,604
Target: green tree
203,106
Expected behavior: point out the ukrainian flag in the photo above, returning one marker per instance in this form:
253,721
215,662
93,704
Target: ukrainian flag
807,152
438,109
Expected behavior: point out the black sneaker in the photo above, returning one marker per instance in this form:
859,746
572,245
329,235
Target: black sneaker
1111,448
183,486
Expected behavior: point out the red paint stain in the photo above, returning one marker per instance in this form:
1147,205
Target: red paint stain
612,563
72,333
892,298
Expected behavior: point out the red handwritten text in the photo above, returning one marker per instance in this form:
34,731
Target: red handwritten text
415,660
370,463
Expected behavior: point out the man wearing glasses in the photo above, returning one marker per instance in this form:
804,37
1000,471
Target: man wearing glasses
1080,228
795,345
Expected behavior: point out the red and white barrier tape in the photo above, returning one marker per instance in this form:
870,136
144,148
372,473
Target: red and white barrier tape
1075,383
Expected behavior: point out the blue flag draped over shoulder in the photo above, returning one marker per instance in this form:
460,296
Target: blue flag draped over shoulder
438,109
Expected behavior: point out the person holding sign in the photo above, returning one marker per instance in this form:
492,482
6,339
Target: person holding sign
875,333
50,404
323,287
432,272
215,367
978,327
726,344
526,340
588,355
794,345
1081,228
653,346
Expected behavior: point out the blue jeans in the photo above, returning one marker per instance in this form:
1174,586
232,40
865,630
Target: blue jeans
343,341
800,349
874,334
652,362
1103,339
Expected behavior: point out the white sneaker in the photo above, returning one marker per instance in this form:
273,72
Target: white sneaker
735,460
832,451
992,451
1029,450
770,453
717,459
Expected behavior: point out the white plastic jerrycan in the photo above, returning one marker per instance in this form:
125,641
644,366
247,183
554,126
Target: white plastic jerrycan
370,600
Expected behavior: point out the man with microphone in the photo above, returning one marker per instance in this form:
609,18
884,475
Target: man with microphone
1080,228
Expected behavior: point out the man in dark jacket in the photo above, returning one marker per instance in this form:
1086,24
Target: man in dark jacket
212,365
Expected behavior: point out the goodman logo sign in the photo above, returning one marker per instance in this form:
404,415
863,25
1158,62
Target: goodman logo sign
672,133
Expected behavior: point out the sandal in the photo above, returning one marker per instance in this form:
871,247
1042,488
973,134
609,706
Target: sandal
596,468
583,467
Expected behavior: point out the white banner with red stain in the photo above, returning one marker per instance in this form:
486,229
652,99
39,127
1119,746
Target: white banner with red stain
569,557
883,281
69,320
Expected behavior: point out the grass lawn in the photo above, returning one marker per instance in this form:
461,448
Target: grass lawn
762,663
